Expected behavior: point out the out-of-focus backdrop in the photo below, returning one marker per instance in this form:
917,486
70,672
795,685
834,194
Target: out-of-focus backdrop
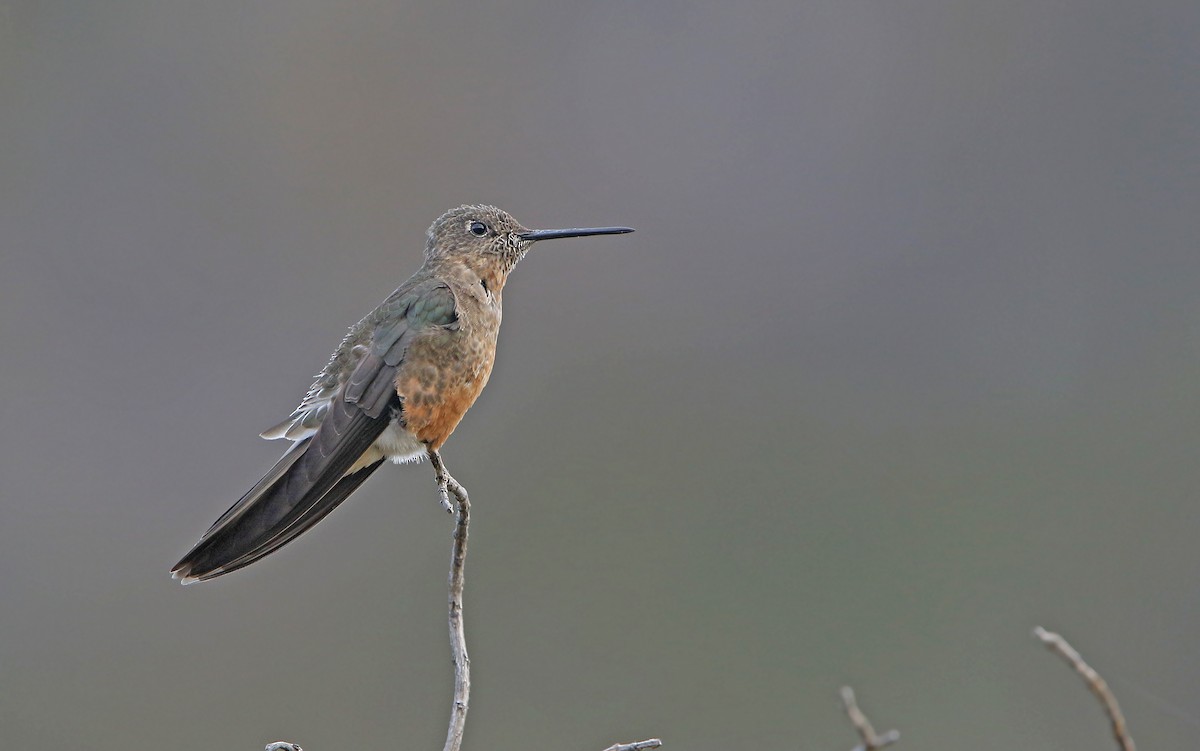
903,360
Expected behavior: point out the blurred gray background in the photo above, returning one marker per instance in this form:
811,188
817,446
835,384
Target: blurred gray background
903,359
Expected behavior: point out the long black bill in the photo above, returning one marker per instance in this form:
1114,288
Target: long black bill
554,234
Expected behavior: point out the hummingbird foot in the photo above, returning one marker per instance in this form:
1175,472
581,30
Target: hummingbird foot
446,483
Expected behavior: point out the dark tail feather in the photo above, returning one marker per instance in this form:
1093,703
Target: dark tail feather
314,514
244,542
302,488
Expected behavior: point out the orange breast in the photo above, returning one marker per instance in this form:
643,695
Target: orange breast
439,380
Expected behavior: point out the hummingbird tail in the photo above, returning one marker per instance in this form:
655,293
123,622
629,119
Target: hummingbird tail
300,490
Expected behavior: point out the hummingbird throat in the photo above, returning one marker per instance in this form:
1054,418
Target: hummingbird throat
493,270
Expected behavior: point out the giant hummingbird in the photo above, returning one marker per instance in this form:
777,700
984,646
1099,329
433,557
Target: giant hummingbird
396,387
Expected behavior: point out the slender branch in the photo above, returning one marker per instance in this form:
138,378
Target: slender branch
448,486
870,741
638,746
1056,643
458,638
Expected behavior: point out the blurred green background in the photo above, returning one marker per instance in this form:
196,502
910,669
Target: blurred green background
903,359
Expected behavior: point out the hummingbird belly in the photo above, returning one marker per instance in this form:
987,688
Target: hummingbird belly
439,383
397,443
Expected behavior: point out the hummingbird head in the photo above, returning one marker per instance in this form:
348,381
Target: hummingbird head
479,231
493,236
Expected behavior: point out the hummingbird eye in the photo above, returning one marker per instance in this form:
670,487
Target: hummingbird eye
479,229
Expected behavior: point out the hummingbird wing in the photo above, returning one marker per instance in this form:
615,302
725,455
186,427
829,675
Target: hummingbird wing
345,411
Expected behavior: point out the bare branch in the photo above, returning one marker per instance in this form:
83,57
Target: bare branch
448,486
870,741
1056,643
638,746
458,637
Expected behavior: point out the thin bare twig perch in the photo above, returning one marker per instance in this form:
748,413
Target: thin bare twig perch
638,746
458,637
448,486
1056,643
870,741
